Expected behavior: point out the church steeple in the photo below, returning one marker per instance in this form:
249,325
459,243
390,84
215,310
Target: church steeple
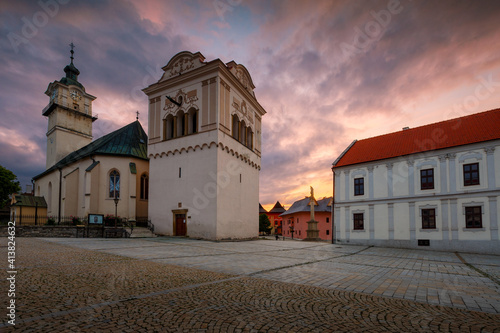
70,115
71,71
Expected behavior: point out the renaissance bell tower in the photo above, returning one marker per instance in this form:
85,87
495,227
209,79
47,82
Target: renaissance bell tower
204,149
70,115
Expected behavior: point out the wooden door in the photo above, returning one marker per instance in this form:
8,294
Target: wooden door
180,225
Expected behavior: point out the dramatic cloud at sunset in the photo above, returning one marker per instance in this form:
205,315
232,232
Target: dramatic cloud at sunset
327,72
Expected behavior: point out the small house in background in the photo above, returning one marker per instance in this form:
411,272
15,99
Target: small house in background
296,217
262,210
275,218
27,209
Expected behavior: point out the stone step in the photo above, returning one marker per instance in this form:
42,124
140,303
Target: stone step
141,232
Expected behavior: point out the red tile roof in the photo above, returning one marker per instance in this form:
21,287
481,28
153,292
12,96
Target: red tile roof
474,128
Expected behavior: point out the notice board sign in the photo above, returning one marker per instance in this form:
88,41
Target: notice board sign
96,219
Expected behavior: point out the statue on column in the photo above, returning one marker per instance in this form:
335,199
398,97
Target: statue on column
312,225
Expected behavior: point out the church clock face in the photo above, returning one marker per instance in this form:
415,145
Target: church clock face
75,95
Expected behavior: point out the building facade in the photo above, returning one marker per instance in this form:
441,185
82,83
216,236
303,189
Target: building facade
295,219
435,186
204,149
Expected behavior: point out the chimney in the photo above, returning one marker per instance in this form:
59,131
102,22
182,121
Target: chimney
29,189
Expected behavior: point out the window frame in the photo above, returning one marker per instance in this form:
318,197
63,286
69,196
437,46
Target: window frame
359,186
114,182
469,214
358,223
426,218
472,180
425,184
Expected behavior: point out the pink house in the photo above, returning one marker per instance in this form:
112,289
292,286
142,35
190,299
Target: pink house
296,217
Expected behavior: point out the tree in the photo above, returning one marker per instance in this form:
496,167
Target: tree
264,224
8,185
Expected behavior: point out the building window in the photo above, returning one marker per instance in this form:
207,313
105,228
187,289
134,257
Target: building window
359,186
327,232
473,217
428,219
327,220
114,184
144,187
359,223
471,174
236,127
427,179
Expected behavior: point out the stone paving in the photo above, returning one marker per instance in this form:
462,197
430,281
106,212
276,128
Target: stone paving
184,285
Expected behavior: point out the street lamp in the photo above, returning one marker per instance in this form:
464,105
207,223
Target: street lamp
116,199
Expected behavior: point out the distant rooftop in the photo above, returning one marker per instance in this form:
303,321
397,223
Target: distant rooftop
278,208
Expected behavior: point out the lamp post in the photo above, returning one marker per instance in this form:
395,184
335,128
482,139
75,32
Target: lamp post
116,207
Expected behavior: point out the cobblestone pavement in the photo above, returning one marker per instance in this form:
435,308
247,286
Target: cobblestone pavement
184,285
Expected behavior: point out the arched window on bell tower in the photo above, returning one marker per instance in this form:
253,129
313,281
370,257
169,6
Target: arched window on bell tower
169,129
236,127
192,121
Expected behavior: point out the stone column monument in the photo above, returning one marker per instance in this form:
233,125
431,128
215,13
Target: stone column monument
312,225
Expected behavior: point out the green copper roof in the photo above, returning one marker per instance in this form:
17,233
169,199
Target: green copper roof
128,141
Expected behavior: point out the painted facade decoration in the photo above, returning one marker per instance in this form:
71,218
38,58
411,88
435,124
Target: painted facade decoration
435,186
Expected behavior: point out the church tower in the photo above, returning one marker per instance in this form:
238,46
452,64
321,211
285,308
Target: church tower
204,149
70,115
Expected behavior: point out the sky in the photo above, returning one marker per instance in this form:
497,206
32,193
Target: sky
326,72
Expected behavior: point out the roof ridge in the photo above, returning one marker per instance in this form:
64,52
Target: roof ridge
412,129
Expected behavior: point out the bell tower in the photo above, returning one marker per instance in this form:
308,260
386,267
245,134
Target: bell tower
204,149
69,113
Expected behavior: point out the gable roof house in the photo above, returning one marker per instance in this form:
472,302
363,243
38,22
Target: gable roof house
434,186
296,217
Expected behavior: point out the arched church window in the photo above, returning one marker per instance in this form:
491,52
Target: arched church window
144,187
114,184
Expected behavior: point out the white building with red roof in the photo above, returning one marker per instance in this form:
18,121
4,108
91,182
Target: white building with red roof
436,186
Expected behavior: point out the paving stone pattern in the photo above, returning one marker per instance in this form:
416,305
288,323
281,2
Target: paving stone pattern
184,285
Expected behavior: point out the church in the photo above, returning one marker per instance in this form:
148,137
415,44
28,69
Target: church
83,176
195,174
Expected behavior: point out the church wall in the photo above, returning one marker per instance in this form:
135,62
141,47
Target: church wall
94,190
141,205
70,193
42,186
107,204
